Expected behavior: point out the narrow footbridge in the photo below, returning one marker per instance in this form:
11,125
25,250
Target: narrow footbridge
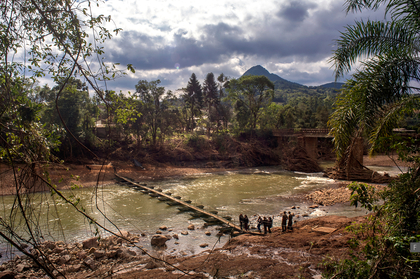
196,211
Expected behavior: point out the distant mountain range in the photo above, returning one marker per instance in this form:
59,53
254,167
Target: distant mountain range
281,83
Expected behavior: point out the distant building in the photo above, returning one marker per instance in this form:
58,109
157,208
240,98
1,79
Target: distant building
106,130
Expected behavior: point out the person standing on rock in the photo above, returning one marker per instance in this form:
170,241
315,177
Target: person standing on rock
283,222
260,222
246,222
241,220
289,225
265,224
269,224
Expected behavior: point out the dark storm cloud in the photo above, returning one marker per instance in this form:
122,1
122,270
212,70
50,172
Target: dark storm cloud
295,11
297,32
310,41
149,53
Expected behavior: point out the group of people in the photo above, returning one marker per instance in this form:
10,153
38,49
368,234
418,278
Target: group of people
267,223
286,221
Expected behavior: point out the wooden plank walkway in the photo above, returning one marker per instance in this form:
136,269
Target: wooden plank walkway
185,204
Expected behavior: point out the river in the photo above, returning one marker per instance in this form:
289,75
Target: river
264,191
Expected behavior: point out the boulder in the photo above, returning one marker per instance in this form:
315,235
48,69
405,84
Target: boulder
163,228
64,259
204,245
184,233
22,267
158,232
124,234
111,254
158,240
74,268
57,250
125,253
175,236
153,264
91,242
7,274
99,254
208,233
81,255
191,227
90,263
49,245
64,252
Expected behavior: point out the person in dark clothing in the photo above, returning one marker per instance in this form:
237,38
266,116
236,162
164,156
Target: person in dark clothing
265,223
269,224
260,222
289,225
241,220
246,222
283,222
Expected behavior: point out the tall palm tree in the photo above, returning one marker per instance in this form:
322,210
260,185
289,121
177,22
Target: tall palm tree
381,89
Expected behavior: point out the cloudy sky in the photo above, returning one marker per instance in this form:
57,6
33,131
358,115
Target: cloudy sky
170,40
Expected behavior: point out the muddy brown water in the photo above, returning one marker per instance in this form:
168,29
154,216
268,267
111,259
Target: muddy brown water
264,191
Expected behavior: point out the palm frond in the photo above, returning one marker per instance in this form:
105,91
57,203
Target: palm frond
372,38
388,117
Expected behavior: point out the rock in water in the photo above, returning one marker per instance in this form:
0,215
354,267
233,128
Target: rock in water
91,242
158,240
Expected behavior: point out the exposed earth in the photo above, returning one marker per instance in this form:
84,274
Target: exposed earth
277,255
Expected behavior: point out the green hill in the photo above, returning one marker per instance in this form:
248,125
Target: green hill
334,85
288,92
278,81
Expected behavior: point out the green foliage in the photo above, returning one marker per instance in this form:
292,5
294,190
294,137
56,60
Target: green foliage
373,103
363,194
197,142
45,39
386,235
155,106
250,95
193,98
377,97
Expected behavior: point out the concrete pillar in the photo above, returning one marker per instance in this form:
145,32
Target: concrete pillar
311,147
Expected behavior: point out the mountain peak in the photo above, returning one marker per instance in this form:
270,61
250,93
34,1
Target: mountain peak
279,82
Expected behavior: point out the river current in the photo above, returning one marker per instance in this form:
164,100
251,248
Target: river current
263,191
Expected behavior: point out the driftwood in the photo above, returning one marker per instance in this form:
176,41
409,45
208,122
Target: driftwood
350,168
357,174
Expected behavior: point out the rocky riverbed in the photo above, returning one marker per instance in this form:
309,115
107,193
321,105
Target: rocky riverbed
277,255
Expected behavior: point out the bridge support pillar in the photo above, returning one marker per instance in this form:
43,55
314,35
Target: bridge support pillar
311,146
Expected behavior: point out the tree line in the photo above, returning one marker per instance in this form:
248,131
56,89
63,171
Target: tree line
151,114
